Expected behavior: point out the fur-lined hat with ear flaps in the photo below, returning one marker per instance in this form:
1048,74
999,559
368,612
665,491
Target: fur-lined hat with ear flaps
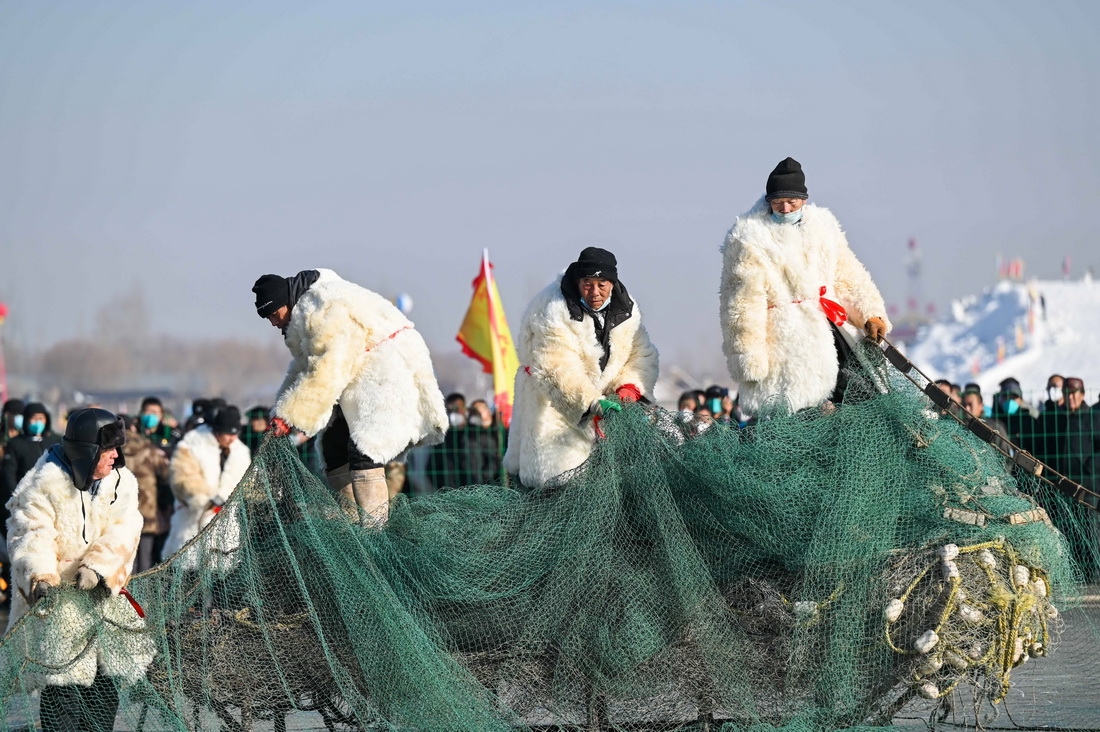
88,433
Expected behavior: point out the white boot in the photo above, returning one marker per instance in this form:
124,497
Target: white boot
372,496
340,479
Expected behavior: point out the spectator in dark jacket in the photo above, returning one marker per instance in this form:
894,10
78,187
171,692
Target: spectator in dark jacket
11,421
256,422
151,424
483,446
23,450
1055,397
1016,414
447,460
1070,443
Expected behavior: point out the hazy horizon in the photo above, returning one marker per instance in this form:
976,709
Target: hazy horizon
186,149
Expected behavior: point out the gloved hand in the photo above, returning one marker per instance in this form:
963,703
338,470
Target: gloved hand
600,407
279,427
628,393
875,328
41,589
87,579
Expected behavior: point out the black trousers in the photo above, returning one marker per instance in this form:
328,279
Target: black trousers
77,708
843,353
338,448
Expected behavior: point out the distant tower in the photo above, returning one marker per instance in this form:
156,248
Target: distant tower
905,327
914,293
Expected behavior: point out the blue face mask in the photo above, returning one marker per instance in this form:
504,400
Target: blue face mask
596,310
36,428
17,421
1011,406
149,421
787,218
715,405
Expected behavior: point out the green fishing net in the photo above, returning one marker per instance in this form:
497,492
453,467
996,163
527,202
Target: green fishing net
869,564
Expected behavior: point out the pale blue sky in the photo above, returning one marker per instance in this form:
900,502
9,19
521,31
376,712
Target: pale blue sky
189,147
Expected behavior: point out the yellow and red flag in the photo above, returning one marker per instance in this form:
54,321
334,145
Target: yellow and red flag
485,336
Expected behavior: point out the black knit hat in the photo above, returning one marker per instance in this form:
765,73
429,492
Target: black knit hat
259,412
786,181
594,262
226,421
272,292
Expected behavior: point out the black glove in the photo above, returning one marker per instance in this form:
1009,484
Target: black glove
41,589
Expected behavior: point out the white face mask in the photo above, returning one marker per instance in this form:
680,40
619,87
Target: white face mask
1054,393
687,415
457,419
792,217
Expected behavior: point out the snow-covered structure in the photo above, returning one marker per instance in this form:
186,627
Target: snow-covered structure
1027,330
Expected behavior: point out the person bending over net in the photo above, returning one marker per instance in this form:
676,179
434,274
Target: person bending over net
358,363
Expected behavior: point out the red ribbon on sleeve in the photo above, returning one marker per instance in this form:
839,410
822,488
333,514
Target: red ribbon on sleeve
834,311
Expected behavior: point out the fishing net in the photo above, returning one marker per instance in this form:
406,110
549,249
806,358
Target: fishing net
865,565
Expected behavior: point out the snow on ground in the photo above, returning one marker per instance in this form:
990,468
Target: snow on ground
1041,327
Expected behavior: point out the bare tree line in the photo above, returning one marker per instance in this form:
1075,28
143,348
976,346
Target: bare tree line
121,355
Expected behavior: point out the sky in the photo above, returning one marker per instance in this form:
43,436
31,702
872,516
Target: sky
184,149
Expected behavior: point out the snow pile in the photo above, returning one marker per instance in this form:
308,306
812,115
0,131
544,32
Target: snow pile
1024,330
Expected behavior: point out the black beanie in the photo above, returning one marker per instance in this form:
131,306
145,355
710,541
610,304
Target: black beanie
226,421
272,293
786,181
594,262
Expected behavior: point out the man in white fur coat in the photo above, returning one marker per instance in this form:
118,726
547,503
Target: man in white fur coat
75,521
790,284
206,466
357,356
582,350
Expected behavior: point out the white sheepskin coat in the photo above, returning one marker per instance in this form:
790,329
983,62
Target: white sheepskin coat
50,536
773,346
196,477
340,337
547,436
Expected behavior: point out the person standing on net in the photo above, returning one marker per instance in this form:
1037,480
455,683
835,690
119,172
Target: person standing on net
791,292
582,350
359,364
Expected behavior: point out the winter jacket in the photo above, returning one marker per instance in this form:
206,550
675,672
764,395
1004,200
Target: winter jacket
164,437
150,466
55,529
468,455
1022,425
353,348
20,457
776,337
483,458
1069,441
560,377
200,482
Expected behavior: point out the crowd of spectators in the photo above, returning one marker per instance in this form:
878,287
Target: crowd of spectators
27,430
700,409
1062,429
471,452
